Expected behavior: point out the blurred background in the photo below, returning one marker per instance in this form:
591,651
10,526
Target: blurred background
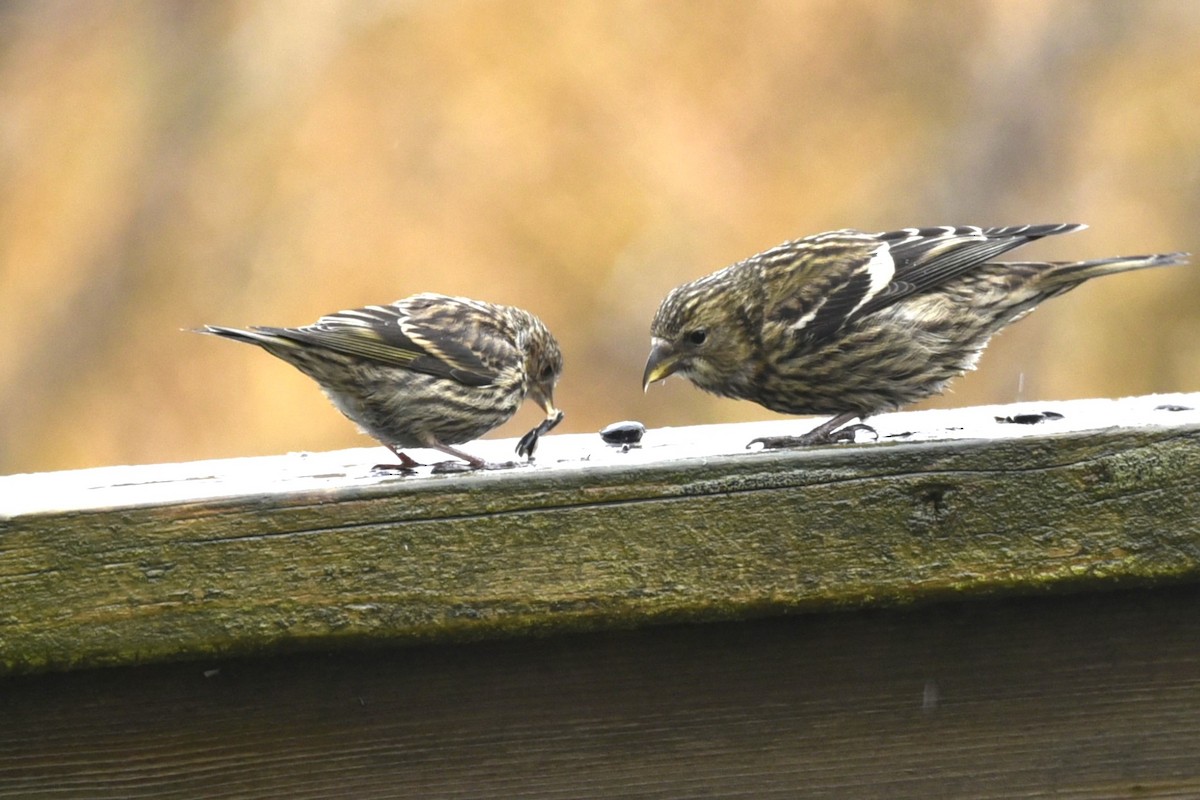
167,164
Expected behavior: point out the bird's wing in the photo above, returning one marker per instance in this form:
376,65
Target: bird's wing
429,334
925,258
827,280
813,285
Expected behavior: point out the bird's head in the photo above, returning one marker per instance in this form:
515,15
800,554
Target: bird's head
703,332
543,365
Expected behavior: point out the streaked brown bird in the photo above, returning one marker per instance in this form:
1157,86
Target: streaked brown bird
853,324
426,371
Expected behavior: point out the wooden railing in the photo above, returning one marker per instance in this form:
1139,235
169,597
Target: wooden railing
128,565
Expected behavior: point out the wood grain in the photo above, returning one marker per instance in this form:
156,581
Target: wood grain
137,564
1084,696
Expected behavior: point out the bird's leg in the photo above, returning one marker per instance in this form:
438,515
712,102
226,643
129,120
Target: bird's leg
407,464
475,461
826,433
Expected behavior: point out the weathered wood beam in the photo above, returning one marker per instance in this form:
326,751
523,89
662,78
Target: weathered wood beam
127,565
1087,696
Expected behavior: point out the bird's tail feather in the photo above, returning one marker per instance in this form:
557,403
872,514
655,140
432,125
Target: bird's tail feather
1075,272
263,337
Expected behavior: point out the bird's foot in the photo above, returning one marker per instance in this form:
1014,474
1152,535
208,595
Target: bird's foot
846,434
452,467
449,467
400,468
816,437
407,464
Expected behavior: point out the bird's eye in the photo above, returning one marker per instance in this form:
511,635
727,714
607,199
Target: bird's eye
697,336
547,373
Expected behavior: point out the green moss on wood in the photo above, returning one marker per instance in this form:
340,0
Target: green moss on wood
538,552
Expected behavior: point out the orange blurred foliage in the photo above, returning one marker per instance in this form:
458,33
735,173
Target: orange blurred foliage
167,164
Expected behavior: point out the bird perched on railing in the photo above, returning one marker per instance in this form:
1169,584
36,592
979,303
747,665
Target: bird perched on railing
426,371
852,324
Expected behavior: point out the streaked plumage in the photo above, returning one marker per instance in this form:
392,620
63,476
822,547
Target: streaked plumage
853,324
426,371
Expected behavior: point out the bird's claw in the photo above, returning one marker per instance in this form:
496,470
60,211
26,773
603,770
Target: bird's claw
452,467
777,442
403,469
407,464
844,434
448,467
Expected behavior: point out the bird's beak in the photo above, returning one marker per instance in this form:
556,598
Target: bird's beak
662,362
545,399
